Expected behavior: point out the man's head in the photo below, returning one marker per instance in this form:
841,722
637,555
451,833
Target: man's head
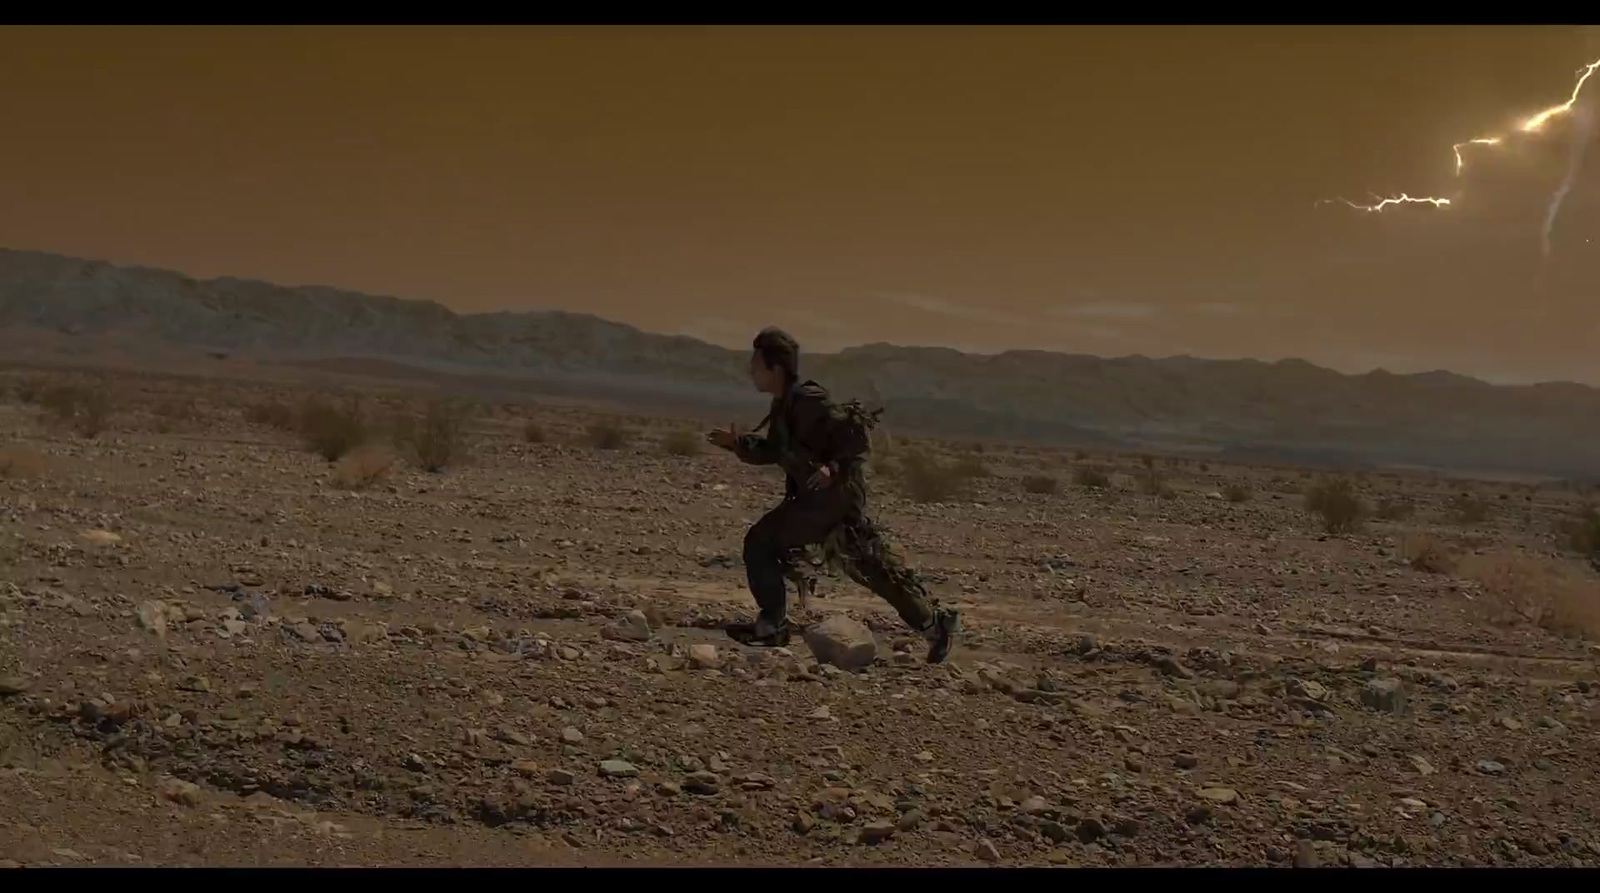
775,362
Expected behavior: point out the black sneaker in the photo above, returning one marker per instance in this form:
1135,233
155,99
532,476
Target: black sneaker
758,634
941,635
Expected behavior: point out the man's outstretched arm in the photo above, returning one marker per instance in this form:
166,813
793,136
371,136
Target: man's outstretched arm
755,449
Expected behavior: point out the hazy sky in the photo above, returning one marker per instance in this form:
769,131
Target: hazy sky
1101,190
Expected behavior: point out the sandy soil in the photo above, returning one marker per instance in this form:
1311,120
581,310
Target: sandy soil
213,654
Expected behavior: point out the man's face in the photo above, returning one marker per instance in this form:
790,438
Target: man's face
760,374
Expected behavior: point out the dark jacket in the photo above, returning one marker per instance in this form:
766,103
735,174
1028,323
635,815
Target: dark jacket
801,436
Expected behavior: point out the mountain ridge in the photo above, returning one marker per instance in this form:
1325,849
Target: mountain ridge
1288,407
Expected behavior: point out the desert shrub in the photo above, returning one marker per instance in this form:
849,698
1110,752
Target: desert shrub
1427,554
1464,508
970,466
1394,509
175,413
1337,504
17,462
435,439
31,388
362,467
1236,493
1520,590
1041,484
272,415
331,431
925,479
1151,483
607,435
85,408
681,443
1090,478
533,432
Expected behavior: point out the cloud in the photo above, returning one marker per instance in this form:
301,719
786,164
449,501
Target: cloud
1123,311
946,307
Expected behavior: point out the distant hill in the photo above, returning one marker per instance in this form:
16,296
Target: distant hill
1289,409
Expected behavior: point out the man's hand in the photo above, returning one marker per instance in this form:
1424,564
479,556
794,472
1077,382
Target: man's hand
820,478
726,438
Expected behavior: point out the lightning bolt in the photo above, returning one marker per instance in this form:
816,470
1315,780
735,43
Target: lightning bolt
1533,124
1480,141
1537,122
1381,203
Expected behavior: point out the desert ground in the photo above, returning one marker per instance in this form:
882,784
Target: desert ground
217,647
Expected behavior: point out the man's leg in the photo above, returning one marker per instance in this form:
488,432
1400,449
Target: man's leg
871,562
768,546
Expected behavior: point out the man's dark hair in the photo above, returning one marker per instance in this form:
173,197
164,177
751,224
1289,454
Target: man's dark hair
779,349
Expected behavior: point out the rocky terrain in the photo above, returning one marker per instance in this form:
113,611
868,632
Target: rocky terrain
1288,411
220,649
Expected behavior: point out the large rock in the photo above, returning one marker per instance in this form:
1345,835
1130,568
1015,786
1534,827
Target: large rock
842,642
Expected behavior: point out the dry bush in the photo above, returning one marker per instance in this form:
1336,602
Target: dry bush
362,467
1464,508
1236,493
176,413
533,432
272,415
86,408
1336,502
925,479
1041,483
31,389
682,443
1427,554
436,439
331,431
970,465
1151,483
1582,532
1091,478
19,462
607,435
1394,509
1553,595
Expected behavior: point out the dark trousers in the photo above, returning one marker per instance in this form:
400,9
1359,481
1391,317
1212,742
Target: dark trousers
810,517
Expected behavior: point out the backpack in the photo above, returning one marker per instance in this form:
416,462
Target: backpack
852,427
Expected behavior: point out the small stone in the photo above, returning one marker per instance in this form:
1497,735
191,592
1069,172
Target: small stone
1511,724
703,656
1219,795
100,537
571,735
178,791
987,852
1090,830
618,769
1308,689
804,822
1384,695
561,777
842,642
910,820
1186,761
876,832
1490,767
1056,831
820,713
511,736
703,783
1305,855
631,627
1422,765
1169,666
12,685
152,616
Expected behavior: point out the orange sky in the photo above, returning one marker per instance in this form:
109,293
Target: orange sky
1104,190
